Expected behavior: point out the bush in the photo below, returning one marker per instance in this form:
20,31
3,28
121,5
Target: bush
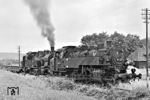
140,92
65,85
83,89
119,92
60,83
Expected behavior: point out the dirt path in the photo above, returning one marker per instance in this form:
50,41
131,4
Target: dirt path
32,88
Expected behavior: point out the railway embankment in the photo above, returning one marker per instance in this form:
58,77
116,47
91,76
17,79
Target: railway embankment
61,88
32,88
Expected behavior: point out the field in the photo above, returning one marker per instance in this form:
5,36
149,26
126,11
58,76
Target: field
60,88
33,88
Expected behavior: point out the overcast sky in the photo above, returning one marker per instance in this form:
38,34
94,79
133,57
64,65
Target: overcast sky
72,19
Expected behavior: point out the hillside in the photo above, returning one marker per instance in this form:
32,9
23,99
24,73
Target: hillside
9,58
9,55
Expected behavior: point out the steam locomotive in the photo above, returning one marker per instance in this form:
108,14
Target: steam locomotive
80,63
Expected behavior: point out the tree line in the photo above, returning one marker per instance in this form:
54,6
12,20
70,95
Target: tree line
129,42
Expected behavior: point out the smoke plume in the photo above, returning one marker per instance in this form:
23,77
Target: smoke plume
40,12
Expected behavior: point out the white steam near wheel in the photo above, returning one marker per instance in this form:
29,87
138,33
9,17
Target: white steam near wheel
137,71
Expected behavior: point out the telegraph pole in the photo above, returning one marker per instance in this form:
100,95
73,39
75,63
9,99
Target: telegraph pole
145,13
19,55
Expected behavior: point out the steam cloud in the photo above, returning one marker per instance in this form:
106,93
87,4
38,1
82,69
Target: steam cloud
40,12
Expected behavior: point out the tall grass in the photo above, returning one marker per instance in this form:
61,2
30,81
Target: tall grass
42,86
123,91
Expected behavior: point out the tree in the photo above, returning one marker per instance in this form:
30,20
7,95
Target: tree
133,42
118,40
117,35
94,39
119,44
127,44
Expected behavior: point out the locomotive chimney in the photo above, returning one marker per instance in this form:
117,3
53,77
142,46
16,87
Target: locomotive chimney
52,49
54,56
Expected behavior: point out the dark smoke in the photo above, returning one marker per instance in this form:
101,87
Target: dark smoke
40,11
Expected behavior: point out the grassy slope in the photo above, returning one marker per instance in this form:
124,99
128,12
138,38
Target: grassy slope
9,55
33,88
56,88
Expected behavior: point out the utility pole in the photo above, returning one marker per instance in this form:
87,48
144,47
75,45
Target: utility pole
19,55
145,13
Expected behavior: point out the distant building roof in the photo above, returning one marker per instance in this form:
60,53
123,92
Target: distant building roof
139,55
